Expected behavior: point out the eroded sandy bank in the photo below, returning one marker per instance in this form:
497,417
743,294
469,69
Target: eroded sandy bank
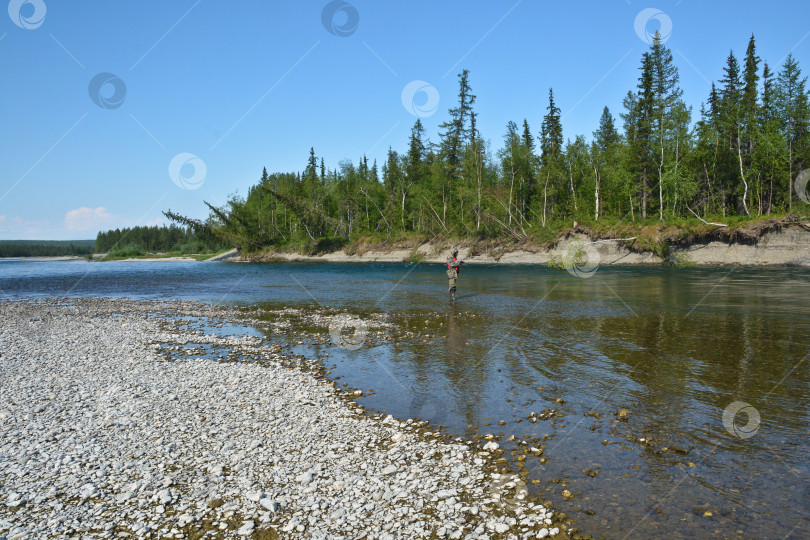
788,246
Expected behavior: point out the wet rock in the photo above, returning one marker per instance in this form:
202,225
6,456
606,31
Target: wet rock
678,449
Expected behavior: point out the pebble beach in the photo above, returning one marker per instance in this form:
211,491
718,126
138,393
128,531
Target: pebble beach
104,434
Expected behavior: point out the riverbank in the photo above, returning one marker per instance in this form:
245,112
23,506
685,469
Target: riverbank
766,243
114,423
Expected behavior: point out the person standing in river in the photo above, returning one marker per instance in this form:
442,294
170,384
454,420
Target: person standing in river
452,270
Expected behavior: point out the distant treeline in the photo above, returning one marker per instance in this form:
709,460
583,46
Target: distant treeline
45,248
156,239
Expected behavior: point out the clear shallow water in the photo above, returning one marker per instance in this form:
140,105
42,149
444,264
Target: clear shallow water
672,347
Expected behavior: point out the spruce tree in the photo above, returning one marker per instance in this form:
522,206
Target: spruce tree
794,113
456,131
509,165
729,123
666,100
529,168
604,156
771,151
551,146
750,108
644,133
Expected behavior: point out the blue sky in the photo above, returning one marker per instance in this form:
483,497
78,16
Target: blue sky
199,95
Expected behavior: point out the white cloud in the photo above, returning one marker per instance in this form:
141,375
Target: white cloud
89,219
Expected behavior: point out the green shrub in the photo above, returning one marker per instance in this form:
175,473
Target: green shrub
130,250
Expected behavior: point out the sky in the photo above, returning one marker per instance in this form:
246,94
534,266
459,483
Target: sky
115,111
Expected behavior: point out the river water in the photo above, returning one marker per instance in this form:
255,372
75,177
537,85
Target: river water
669,402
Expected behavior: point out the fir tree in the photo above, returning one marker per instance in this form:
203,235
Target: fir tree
456,131
794,116
551,142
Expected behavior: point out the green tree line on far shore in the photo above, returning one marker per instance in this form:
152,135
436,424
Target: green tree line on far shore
45,248
136,241
657,161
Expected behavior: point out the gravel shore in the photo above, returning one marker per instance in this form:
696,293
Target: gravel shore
105,434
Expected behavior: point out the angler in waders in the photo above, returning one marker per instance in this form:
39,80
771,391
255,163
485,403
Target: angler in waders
452,270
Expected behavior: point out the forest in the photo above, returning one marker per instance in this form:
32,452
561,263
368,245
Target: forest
45,248
658,161
136,241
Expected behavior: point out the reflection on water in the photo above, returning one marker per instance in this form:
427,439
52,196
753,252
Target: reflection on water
637,366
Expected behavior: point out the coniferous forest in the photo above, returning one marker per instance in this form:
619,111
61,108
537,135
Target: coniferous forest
45,248
142,240
655,160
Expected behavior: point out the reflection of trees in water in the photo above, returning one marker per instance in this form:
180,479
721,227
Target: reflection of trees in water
449,377
465,366
685,347
690,364
454,342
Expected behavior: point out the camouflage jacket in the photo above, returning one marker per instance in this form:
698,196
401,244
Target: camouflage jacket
452,266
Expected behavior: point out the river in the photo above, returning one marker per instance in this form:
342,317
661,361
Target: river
669,402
